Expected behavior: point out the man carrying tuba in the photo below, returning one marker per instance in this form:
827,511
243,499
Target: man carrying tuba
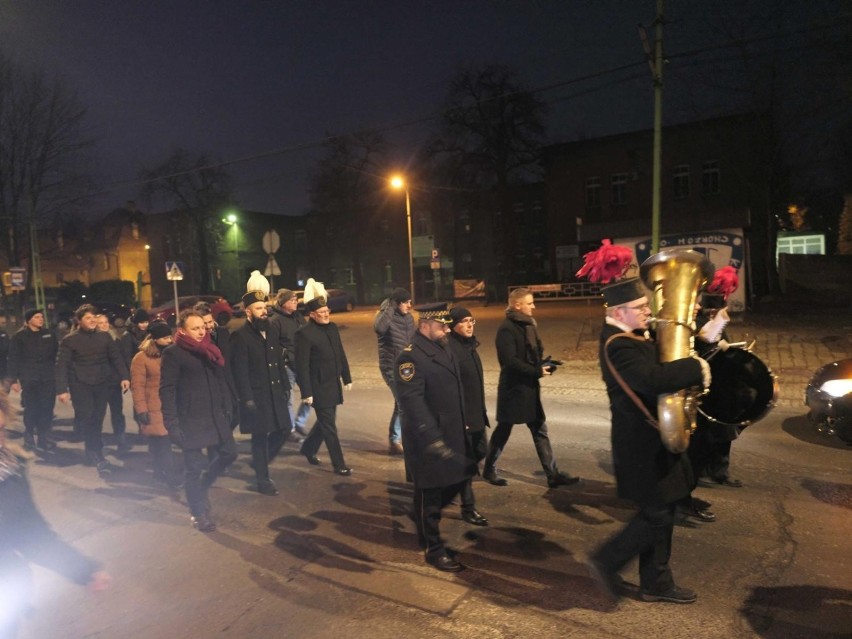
646,472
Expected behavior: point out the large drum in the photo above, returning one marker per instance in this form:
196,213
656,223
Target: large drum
743,389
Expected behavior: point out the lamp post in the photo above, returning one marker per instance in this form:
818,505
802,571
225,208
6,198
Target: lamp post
231,219
398,183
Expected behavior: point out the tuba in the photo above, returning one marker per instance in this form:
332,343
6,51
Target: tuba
675,277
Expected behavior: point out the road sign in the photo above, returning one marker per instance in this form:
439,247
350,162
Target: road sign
18,278
272,267
271,244
174,271
435,262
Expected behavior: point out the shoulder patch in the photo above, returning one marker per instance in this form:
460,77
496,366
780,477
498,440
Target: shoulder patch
406,371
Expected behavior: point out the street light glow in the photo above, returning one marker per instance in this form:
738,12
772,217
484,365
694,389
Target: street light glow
397,182
232,218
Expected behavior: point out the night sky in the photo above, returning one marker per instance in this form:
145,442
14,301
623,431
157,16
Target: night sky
241,78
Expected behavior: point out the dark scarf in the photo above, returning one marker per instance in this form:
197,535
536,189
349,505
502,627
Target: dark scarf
204,349
530,333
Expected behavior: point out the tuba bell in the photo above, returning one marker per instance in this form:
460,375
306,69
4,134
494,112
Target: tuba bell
675,277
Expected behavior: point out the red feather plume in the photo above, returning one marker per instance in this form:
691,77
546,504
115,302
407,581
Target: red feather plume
725,282
606,264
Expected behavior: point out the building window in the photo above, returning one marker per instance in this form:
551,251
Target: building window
618,190
350,275
800,245
593,193
681,181
710,178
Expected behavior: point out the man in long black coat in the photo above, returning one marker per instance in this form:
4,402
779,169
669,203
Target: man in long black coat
645,471
197,408
260,374
429,387
321,365
463,345
521,357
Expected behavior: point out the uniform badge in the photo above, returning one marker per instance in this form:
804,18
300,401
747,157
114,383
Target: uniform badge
406,371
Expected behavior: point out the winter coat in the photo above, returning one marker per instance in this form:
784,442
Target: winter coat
395,331
518,391
145,389
88,357
32,356
260,373
645,471
195,398
287,327
321,364
472,379
428,384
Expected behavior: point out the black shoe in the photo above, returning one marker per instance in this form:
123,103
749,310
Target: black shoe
266,488
701,514
313,460
45,443
474,517
445,563
727,481
490,475
123,446
561,479
345,471
203,523
29,441
608,582
675,594
103,467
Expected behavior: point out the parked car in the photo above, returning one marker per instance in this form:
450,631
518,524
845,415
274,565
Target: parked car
829,397
222,311
339,300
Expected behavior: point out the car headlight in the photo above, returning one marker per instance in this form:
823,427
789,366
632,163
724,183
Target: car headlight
837,387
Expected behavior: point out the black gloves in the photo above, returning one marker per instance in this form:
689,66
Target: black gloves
439,449
143,419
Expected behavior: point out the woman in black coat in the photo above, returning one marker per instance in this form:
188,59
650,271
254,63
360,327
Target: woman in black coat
197,410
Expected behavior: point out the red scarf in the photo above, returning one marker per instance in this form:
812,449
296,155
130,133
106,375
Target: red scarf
205,348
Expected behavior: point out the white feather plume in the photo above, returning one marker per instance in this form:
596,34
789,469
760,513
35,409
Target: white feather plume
257,282
314,289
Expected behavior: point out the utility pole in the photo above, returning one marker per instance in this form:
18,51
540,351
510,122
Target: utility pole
35,265
655,61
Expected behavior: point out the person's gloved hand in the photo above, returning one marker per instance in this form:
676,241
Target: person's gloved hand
712,331
347,386
439,449
250,406
143,419
723,345
308,400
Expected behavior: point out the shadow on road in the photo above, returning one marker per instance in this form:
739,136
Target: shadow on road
793,612
801,427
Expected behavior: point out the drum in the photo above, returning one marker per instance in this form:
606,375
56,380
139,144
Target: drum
743,389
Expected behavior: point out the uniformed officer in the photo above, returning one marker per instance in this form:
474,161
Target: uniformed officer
429,388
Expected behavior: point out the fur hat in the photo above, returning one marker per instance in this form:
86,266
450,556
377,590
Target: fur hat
315,295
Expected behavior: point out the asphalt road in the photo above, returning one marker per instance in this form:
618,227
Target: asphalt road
337,557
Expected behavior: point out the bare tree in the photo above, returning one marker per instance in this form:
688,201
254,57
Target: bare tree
345,188
200,191
41,148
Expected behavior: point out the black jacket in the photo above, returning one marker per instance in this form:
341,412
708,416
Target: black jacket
429,388
287,326
321,364
645,471
86,357
395,331
518,392
195,397
32,356
472,379
260,374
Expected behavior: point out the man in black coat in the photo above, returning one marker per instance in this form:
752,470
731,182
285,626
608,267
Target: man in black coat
221,338
321,364
463,345
83,370
260,373
522,364
429,387
286,316
32,372
197,408
645,471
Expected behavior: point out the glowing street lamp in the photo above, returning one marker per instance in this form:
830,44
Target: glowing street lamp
398,183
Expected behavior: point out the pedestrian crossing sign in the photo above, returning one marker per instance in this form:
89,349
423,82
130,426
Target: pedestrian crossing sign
174,271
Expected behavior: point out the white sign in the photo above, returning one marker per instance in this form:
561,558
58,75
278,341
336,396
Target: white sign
173,272
272,267
271,244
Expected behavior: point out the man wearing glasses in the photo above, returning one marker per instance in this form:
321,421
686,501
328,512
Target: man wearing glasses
645,471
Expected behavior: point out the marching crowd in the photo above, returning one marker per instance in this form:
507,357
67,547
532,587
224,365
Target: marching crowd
192,387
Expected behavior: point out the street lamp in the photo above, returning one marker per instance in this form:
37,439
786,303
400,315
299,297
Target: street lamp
398,182
231,220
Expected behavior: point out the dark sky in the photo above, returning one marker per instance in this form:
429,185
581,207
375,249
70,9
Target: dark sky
240,78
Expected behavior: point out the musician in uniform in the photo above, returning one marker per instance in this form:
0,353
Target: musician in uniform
429,388
645,471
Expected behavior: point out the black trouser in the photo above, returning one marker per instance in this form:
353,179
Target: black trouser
718,466
428,503
395,424
160,448
324,430
538,430
200,474
38,399
90,402
264,448
116,409
649,535
478,448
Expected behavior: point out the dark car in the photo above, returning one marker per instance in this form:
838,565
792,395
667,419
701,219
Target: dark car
222,311
829,396
339,300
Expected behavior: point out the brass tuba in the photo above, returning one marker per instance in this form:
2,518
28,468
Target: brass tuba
675,277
